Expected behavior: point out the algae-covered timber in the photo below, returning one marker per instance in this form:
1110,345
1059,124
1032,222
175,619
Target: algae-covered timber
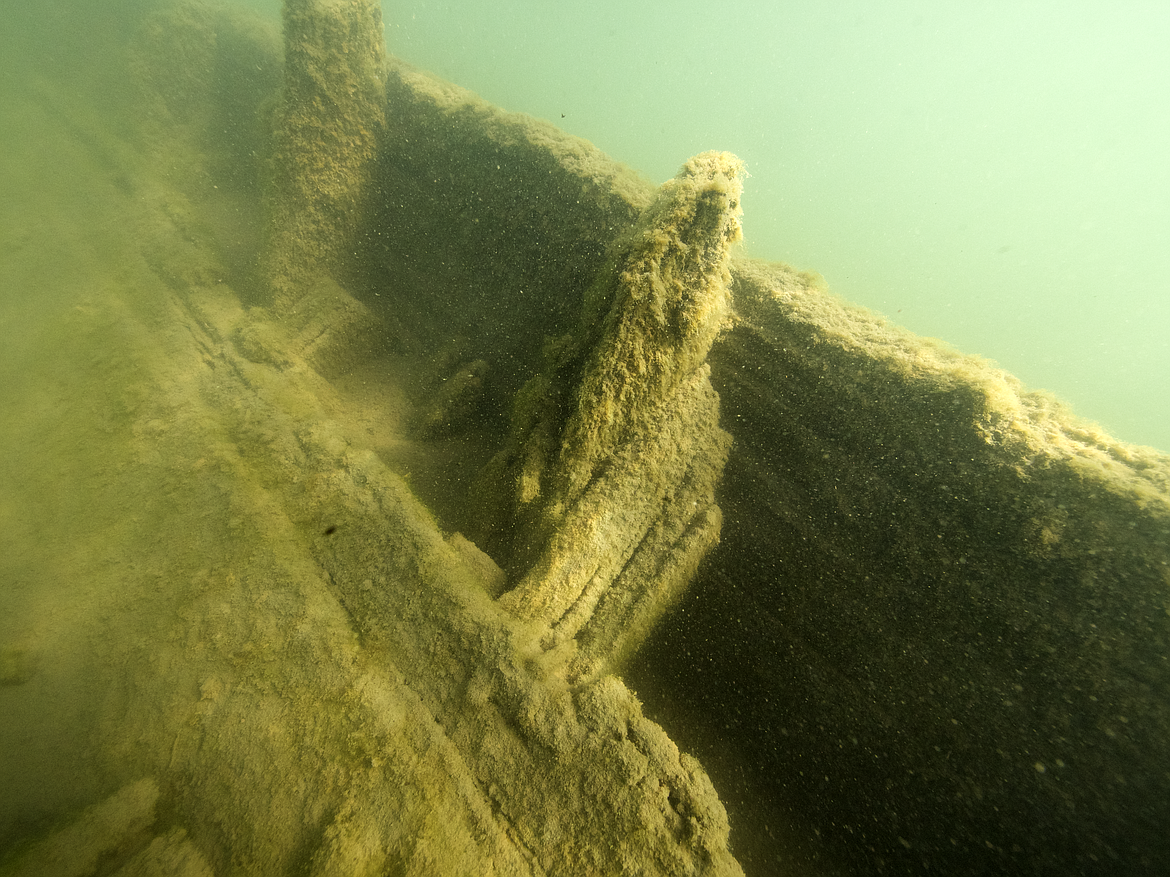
608,480
932,637
330,116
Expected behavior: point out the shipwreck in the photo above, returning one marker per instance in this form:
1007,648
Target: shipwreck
415,490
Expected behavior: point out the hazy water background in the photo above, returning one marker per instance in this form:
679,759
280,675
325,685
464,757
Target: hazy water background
992,174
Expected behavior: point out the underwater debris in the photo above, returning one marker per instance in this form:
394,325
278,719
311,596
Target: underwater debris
616,521
332,111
